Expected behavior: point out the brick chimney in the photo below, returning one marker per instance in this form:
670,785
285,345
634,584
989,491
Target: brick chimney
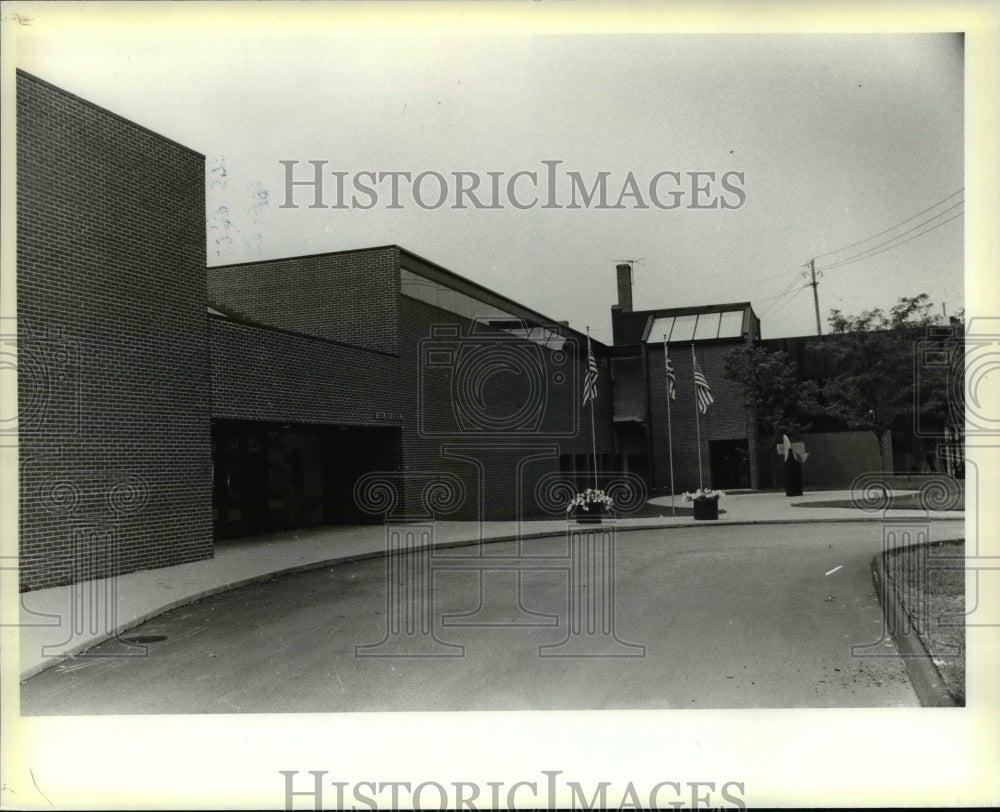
624,287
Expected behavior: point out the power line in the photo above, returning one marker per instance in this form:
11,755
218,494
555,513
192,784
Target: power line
781,303
868,254
893,228
783,298
717,296
861,254
790,291
785,290
787,287
772,298
768,309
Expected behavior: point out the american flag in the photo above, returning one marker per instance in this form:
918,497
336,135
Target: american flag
702,389
668,367
590,379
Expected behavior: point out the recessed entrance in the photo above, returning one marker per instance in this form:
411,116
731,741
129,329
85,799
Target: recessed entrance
270,477
730,461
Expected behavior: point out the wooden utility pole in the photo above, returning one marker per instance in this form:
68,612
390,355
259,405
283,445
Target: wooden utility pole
815,284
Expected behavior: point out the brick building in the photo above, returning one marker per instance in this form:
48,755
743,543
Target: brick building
164,405
112,343
707,333
329,367
732,455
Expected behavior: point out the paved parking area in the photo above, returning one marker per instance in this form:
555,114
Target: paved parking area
759,616
62,621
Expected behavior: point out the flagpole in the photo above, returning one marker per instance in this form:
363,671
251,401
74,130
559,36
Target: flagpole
593,441
593,432
697,420
670,431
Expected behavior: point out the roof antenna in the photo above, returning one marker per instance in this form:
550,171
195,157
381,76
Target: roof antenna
639,261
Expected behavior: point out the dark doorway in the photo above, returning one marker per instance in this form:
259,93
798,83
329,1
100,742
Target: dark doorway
269,477
730,461
632,442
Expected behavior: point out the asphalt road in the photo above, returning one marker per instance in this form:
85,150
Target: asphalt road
729,617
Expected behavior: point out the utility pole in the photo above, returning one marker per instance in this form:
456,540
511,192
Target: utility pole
815,284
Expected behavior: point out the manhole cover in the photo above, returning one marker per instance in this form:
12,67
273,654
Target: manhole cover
140,639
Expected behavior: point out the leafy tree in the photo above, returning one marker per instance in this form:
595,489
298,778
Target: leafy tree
773,393
875,356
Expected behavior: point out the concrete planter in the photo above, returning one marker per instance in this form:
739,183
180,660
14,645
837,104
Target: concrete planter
706,509
592,516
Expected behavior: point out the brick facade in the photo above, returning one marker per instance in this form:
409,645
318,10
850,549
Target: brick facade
142,419
271,375
529,417
725,419
835,458
646,433
499,441
113,376
348,296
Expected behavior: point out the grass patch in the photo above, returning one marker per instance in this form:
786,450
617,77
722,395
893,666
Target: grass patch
651,511
933,594
647,511
899,501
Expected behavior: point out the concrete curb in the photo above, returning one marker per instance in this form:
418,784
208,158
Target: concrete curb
207,592
924,675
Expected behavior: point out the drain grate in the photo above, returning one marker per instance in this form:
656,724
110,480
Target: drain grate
141,639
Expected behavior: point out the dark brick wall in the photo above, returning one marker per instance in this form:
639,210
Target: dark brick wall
348,297
353,297
113,380
724,420
500,462
272,375
835,458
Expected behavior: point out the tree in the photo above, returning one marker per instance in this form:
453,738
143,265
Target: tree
773,394
874,354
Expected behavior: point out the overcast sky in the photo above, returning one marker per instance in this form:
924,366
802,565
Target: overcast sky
838,137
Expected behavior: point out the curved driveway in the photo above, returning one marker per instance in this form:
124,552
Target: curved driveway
755,616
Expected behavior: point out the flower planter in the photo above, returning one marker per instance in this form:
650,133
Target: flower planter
706,509
592,516
597,503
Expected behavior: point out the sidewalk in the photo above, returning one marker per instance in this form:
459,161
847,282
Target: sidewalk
59,622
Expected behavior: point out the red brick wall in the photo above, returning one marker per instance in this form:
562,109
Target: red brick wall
348,297
113,381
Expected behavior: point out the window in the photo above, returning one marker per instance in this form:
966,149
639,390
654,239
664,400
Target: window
468,307
708,326
661,327
683,328
731,324
697,327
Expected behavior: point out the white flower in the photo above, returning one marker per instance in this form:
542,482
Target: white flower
703,495
591,496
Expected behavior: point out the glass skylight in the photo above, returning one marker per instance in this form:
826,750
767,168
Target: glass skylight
468,307
697,327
